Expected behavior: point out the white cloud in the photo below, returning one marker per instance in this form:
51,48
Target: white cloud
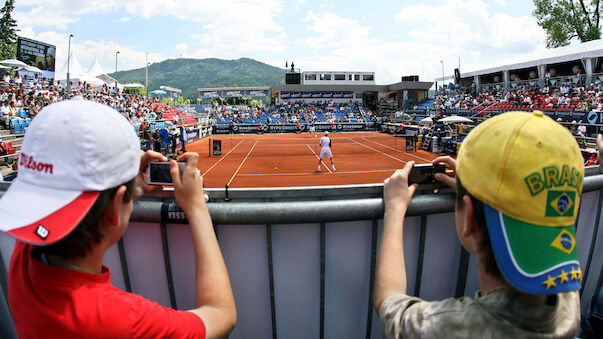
456,28
468,24
86,51
333,31
38,16
229,27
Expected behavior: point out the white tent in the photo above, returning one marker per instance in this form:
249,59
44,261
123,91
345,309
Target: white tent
75,69
134,85
580,51
456,119
95,69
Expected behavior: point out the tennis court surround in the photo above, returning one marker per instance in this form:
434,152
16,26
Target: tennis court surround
288,160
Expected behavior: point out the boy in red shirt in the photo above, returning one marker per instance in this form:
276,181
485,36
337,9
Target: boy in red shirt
71,202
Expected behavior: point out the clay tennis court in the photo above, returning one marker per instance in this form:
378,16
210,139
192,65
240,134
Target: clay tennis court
286,160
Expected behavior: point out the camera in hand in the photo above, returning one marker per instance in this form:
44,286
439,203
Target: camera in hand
425,173
158,172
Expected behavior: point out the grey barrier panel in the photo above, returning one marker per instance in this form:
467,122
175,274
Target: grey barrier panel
348,260
183,265
244,250
441,263
146,263
296,251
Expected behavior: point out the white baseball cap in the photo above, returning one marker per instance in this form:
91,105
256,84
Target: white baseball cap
326,132
71,152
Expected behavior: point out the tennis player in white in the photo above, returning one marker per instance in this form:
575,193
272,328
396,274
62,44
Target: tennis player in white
312,130
325,142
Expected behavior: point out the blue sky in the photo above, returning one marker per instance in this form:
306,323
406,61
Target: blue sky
391,38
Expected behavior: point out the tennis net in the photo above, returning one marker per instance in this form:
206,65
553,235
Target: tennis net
222,145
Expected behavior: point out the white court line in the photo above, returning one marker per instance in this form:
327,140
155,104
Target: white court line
376,150
412,155
293,174
222,158
241,165
322,162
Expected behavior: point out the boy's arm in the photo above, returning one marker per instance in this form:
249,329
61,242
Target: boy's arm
215,301
391,271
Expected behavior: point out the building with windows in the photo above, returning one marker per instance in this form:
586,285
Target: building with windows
345,86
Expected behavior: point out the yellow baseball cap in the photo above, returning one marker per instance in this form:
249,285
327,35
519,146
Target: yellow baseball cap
528,171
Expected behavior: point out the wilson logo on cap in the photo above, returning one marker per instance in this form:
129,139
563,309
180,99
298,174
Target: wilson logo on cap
42,232
27,161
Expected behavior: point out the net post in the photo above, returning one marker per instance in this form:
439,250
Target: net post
226,198
209,153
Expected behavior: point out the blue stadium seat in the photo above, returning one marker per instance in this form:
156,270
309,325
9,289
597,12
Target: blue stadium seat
27,121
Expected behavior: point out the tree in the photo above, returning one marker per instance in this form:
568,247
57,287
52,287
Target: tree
564,20
8,31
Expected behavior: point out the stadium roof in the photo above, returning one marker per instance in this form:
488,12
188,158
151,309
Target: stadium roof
585,50
213,89
403,85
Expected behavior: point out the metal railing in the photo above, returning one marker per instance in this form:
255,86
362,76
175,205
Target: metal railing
310,248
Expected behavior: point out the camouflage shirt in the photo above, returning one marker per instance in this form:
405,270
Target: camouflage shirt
503,314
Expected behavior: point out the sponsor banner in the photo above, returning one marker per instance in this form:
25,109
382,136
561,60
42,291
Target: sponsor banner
281,128
245,128
290,128
220,129
410,130
389,128
171,213
233,94
351,126
317,95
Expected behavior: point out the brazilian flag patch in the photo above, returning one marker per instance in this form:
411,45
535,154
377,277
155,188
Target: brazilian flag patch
560,203
564,241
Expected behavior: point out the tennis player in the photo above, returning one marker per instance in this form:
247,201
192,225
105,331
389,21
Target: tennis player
312,130
325,142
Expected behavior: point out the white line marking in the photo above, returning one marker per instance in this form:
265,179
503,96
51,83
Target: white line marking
214,165
322,162
376,150
305,173
241,165
412,155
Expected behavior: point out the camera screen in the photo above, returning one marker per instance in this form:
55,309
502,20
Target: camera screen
421,174
160,173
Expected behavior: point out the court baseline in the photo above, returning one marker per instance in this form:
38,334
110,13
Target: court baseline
378,151
306,173
407,153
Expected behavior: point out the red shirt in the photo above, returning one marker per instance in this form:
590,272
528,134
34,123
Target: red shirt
52,302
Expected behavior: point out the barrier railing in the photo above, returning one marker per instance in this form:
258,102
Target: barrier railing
302,260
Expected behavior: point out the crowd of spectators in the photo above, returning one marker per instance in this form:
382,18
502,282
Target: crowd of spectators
294,112
23,98
575,97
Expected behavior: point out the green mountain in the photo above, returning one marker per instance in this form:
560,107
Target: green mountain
190,74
